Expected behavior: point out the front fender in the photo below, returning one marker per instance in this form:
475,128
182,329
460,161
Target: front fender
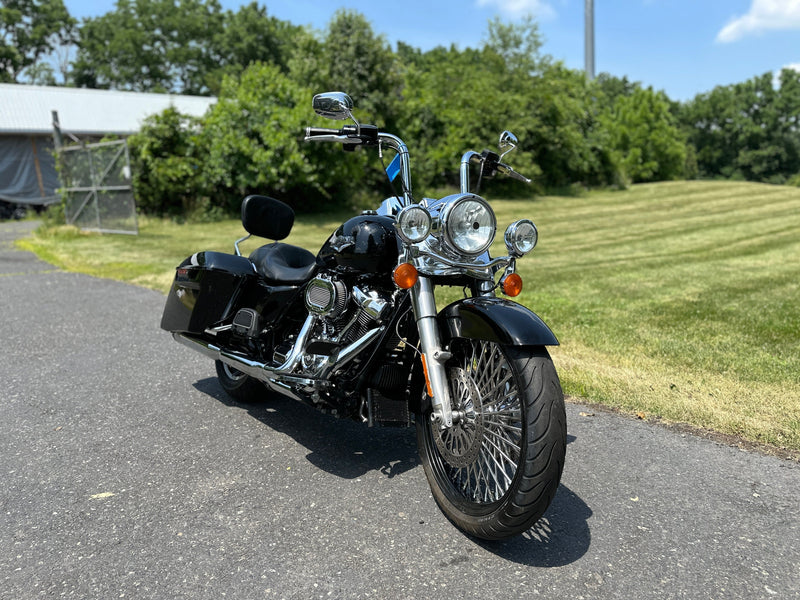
495,320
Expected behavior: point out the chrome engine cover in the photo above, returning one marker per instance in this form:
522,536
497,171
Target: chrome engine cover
326,297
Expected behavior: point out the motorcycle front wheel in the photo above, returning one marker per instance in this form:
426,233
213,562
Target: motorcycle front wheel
496,470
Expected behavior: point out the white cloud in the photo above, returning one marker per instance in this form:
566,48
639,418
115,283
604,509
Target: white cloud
764,15
520,8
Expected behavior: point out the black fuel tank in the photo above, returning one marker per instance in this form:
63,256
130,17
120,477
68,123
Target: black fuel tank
363,244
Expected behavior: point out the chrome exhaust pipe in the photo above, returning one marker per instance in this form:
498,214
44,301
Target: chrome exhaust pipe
279,379
255,369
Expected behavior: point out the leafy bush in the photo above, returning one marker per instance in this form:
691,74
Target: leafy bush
253,143
166,162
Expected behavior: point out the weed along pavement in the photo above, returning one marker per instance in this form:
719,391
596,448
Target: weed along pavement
126,472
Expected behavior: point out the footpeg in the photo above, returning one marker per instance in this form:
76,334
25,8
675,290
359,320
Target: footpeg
281,353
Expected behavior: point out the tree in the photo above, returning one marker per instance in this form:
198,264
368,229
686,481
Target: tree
30,29
353,59
150,45
747,130
645,137
519,44
350,57
251,35
40,74
248,36
456,100
252,139
570,144
184,46
613,87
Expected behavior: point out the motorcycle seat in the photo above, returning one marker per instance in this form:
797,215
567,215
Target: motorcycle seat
284,263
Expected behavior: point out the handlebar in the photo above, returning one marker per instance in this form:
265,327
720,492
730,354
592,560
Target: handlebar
349,135
490,165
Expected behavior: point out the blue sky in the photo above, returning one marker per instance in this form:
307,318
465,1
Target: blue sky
684,47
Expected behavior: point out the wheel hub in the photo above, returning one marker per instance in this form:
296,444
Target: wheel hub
461,444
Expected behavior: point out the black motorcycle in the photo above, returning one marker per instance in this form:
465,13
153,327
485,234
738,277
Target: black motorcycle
355,331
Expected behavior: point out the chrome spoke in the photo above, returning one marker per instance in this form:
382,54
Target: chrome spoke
501,439
498,421
480,453
509,395
495,469
514,413
492,395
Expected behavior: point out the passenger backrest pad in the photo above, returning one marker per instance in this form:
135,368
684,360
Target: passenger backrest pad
267,217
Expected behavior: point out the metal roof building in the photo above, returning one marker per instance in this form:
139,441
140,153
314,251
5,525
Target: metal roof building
27,167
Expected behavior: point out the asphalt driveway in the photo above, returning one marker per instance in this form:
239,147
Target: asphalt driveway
126,472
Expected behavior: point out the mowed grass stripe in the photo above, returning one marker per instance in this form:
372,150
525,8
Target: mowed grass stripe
678,299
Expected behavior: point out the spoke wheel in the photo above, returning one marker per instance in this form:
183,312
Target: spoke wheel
495,471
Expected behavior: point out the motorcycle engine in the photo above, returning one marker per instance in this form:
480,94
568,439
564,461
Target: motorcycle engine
344,317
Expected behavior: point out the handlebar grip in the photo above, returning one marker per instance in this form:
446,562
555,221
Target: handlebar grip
519,177
314,131
507,170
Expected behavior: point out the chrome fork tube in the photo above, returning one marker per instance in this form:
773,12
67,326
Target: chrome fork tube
424,305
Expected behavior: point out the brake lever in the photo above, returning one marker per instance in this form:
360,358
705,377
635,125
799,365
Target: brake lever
507,170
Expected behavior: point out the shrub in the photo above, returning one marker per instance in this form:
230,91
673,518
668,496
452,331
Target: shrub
166,163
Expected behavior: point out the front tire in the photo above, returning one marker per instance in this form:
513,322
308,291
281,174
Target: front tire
238,385
495,472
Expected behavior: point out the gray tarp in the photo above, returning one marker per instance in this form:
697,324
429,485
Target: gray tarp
27,170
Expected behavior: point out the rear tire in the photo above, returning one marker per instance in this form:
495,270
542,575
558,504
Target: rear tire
495,472
238,385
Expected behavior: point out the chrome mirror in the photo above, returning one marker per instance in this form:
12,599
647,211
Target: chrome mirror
507,140
333,105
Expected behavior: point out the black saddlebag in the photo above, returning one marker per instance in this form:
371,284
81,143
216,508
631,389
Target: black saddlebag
203,289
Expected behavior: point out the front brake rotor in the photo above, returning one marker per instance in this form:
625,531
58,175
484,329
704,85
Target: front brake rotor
461,444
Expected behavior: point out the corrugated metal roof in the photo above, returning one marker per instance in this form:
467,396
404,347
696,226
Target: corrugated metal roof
28,108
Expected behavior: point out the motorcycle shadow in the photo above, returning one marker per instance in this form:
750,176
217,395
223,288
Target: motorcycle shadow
341,447
349,450
559,538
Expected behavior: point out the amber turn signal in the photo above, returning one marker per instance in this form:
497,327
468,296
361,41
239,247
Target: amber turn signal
512,285
405,276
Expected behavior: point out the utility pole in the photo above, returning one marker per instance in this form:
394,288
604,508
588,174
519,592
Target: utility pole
589,38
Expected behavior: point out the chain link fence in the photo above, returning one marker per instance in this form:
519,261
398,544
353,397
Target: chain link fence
96,182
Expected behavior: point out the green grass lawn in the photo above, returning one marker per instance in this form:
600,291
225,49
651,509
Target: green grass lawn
676,300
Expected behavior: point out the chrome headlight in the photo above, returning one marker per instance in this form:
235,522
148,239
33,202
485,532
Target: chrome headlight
521,237
469,225
413,224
